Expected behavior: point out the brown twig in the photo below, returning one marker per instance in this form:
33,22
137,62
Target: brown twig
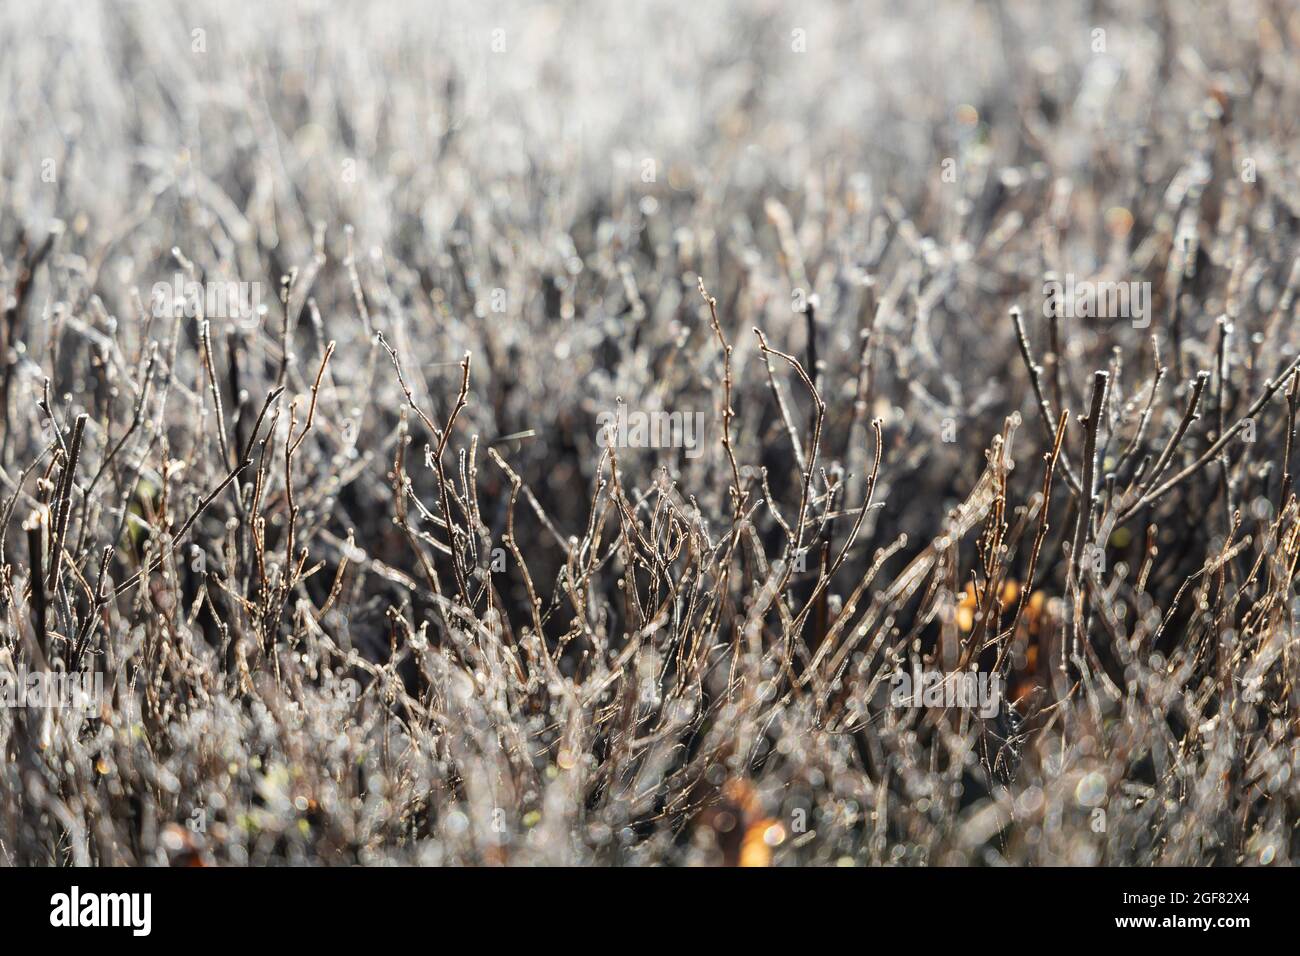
738,495
1050,421
1091,425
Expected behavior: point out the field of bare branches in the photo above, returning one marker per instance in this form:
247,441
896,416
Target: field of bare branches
493,433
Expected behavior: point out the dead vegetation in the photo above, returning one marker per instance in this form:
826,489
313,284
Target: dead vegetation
365,584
